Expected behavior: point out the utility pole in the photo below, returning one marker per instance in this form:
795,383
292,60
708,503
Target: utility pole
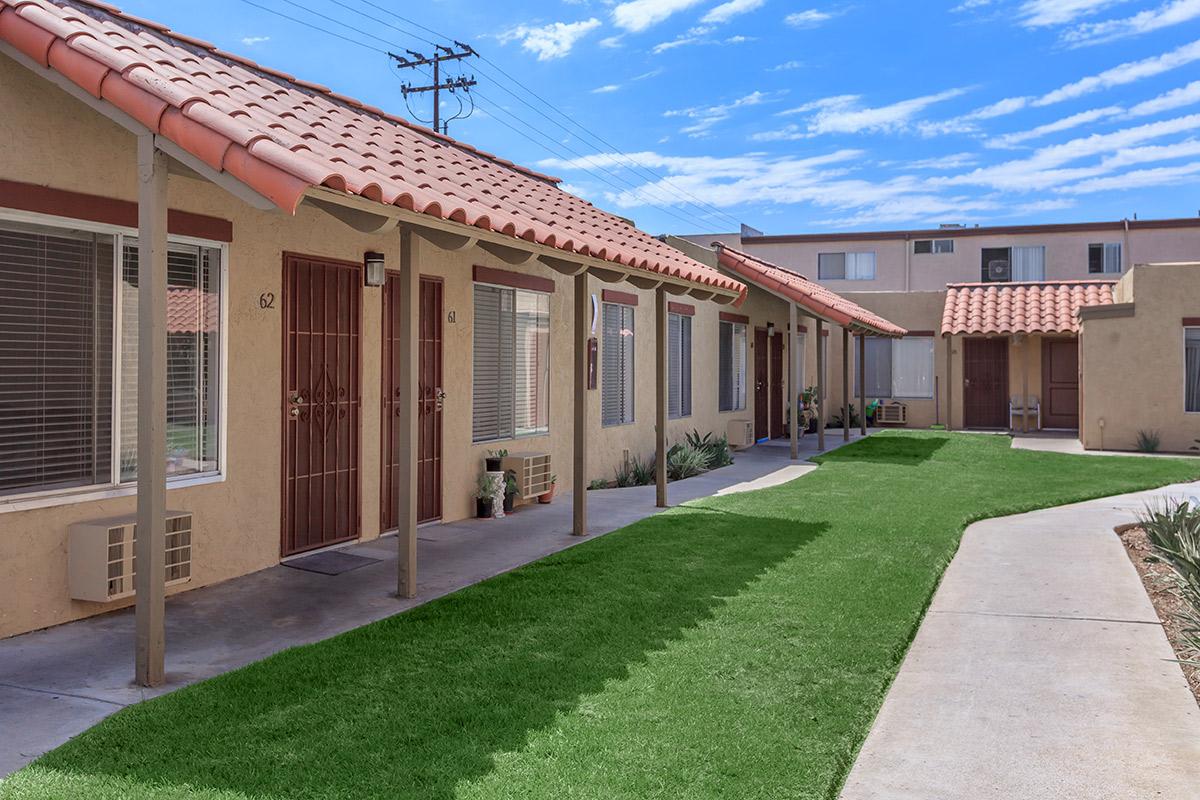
441,53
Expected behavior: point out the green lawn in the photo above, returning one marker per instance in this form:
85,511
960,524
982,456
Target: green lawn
734,647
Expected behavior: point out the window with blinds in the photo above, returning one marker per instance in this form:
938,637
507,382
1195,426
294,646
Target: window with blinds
511,363
731,392
616,378
193,327
898,367
1104,258
68,359
679,366
55,358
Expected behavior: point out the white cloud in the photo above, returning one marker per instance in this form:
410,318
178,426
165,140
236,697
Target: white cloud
638,15
1046,13
1173,12
705,117
606,89
1136,179
951,161
1122,74
697,36
610,41
807,19
844,114
550,41
786,65
1066,123
1176,98
721,14
250,41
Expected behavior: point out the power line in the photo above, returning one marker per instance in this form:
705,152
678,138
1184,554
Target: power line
597,171
703,206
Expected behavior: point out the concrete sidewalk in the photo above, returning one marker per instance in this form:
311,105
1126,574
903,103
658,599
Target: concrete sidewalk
58,682
1041,671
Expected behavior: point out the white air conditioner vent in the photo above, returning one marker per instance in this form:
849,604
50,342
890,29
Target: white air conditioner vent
740,433
532,472
100,561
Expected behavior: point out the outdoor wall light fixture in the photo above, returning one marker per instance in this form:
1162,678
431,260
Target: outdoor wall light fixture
770,329
374,269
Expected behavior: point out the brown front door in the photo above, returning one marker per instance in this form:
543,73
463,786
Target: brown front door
1060,383
322,306
761,415
985,383
429,402
777,385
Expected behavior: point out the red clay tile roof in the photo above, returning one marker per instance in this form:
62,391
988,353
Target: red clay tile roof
983,309
283,136
805,293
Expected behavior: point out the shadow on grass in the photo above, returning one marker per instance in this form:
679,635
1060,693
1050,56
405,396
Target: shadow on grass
885,449
413,705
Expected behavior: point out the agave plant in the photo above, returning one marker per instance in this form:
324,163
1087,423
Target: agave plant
684,461
1173,528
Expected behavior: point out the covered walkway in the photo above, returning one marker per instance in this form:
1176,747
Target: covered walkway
58,682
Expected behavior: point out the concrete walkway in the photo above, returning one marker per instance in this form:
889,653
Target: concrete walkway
58,682
1068,442
1041,671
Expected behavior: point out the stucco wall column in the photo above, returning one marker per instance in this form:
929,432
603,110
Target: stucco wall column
406,410
661,336
845,384
821,385
794,356
579,409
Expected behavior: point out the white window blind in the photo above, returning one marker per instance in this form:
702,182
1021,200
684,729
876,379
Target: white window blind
1029,263
511,363
616,379
55,358
846,266
1104,258
679,365
1191,379
900,368
193,359
731,395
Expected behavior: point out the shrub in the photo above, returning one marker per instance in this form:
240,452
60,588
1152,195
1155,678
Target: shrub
716,448
1148,441
685,461
598,483
1173,528
837,422
643,471
623,476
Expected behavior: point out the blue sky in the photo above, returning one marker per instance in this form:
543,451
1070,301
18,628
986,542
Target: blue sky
690,115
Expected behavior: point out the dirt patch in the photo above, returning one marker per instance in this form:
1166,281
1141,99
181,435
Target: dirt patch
1159,581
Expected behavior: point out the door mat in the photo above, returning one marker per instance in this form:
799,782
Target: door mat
331,562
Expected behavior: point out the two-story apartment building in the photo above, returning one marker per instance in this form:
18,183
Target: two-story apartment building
995,327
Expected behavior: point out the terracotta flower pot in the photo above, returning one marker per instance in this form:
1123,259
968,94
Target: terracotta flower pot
546,497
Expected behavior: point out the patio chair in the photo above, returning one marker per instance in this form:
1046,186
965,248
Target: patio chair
1017,409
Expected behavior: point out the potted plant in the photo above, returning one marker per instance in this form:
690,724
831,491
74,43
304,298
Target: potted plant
548,495
510,491
493,460
483,497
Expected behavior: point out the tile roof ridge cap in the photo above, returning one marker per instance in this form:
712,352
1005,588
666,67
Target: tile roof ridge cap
1014,284
303,85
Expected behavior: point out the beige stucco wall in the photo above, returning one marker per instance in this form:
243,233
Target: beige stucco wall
1066,255
56,141
1133,367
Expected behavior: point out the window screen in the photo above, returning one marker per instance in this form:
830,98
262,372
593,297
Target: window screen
193,359
679,365
731,393
55,358
1191,377
900,368
923,246
831,266
510,394
1104,258
616,379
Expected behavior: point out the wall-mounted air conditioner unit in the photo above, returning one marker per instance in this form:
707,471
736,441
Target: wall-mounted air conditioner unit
740,433
100,561
532,471
892,414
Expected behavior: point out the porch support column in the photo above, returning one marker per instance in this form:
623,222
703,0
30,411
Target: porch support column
820,386
949,382
862,381
845,384
661,336
1024,385
406,427
794,356
150,549
583,313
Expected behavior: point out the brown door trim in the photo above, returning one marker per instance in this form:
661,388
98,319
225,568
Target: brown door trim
776,392
353,509
762,384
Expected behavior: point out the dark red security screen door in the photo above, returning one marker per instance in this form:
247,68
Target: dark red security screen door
985,383
322,403
430,398
777,379
761,414
1060,383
